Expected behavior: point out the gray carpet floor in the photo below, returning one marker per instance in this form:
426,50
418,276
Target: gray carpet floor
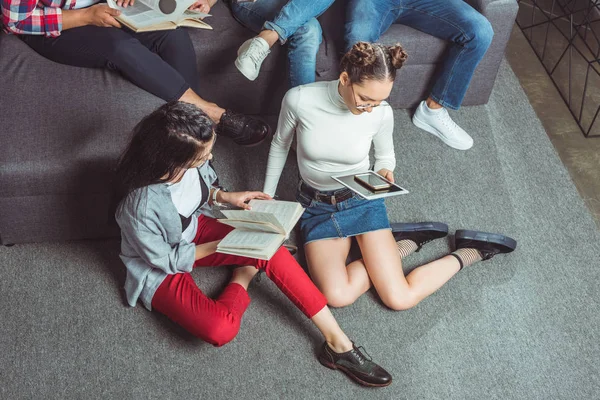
522,326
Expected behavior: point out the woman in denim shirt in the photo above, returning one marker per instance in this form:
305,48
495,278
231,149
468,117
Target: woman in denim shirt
168,188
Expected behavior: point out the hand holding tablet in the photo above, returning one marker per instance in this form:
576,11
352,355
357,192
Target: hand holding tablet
370,185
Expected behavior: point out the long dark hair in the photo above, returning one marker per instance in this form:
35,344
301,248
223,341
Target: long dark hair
373,61
171,138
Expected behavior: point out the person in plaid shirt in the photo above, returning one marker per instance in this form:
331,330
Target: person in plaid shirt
83,33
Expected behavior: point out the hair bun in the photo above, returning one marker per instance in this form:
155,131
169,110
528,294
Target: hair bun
398,55
362,54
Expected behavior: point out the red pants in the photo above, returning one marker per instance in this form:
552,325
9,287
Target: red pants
218,321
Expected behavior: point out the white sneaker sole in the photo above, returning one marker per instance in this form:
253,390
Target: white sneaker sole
428,128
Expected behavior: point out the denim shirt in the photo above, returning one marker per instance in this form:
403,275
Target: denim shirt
151,243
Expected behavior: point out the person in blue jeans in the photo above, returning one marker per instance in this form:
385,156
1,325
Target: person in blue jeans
285,21
468,32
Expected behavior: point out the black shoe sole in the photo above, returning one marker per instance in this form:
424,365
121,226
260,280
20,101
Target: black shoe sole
261,140
219,130
420,226
256,143
484,241
352,376
435,230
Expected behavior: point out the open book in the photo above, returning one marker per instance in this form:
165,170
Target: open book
261,231
154,15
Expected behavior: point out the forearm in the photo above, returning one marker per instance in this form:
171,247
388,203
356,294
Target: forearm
220,197
383,143
277,157
74,18
206,249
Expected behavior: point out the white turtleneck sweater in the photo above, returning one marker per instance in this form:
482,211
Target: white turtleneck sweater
331,140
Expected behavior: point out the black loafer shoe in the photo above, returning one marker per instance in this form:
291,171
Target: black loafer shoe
354,364
242,129
489,244
420,232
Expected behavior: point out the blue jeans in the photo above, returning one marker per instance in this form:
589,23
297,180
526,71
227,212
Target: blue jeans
295,21
469,33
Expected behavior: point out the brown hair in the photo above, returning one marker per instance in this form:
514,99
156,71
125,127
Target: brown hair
373,61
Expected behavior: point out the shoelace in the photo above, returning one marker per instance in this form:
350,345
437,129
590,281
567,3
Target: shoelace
358,352
447,121
420,246
486,255
256,53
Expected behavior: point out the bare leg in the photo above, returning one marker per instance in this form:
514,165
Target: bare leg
384,266
211,109
271,37
340,284
431,103
381,267
244,275
335,337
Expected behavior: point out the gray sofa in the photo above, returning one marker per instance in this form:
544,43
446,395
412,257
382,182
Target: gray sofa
62,128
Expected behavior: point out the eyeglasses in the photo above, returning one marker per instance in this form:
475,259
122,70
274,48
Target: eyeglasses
363,107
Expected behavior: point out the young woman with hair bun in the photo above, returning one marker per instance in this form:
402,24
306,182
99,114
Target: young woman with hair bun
335,124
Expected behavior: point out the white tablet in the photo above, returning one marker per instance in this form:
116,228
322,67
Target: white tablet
370,185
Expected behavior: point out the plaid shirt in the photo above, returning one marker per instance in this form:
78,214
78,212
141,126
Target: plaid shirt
33,17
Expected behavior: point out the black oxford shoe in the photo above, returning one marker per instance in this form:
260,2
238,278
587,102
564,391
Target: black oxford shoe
354,364
242,129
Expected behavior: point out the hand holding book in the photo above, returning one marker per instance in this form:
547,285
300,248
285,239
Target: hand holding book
259,233
156,15
202,6
125,3
240,199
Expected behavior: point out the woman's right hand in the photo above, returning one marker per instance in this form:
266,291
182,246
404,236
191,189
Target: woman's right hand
102,15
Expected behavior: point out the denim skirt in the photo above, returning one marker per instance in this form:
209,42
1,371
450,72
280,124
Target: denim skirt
348,218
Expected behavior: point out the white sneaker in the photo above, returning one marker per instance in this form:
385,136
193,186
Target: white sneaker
441,125
251,55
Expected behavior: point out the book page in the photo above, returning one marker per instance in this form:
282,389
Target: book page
254,216
243,239
286,212
264,253
250,226
139,14
147,12
195,14
194,23
182,6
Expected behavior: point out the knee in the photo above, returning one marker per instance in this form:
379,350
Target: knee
175,36
400,302
309,34
220,332
481,33
338,297
360,31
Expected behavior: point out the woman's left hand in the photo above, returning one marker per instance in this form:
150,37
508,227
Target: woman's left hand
202,6
387,174
239,199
